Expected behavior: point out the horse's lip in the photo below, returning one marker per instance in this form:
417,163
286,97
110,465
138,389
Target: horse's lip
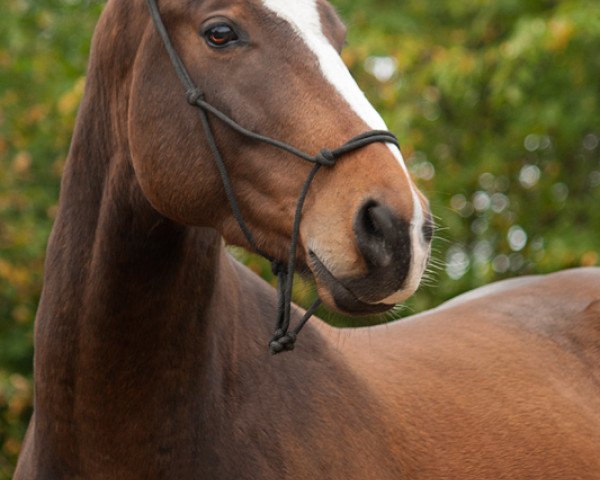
345,300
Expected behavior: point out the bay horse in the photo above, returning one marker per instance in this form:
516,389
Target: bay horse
150,357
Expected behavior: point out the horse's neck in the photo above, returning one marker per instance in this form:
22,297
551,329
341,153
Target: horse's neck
151,353
133,310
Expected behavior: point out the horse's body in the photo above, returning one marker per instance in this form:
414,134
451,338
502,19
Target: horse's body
505,385
151,357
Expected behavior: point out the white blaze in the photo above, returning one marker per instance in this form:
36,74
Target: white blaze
303,16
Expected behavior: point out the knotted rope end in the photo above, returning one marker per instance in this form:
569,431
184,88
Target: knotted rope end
285,343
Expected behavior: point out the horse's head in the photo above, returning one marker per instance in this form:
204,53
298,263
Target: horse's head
274,67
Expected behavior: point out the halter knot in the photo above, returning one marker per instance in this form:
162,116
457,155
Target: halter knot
193,95
326,158
279,344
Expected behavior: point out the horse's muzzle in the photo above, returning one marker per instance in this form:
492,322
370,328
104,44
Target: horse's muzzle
383,240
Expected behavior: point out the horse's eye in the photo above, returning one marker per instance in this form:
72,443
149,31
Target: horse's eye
221,35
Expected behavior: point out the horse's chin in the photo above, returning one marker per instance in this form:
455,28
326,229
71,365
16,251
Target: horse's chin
337,296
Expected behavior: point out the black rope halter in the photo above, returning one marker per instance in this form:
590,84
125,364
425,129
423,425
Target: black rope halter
283,339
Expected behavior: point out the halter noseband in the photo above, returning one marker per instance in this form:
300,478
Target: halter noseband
283,338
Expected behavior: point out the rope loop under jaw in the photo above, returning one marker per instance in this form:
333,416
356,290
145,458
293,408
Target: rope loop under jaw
282,340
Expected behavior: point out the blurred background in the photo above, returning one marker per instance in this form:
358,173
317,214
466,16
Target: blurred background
496,104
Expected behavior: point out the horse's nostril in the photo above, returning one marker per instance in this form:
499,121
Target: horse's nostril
380,235
381,219
370,220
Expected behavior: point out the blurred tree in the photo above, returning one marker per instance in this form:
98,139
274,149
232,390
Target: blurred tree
496,103
43,53
497,106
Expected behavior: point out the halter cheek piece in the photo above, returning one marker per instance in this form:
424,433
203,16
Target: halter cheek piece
283,339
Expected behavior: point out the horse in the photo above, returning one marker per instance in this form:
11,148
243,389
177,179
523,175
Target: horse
150,351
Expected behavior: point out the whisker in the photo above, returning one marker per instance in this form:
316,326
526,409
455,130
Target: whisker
435,267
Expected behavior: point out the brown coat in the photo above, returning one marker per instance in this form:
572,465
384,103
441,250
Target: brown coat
151,359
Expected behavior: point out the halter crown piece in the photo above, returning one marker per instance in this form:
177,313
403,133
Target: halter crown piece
283,338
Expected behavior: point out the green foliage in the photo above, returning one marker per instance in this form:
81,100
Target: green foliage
43,54
496,104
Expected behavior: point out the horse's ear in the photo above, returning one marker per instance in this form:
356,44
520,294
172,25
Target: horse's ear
125,21
333,26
